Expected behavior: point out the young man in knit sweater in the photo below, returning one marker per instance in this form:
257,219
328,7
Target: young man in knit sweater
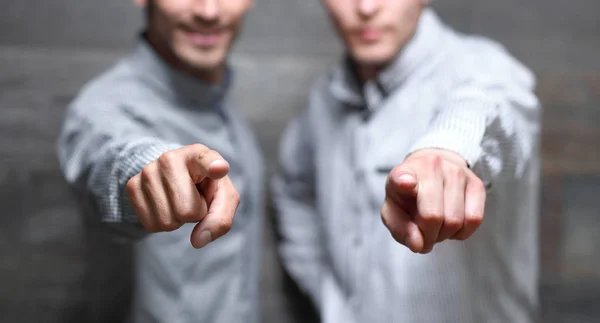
407,190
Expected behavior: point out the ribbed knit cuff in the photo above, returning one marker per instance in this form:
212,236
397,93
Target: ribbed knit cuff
459,128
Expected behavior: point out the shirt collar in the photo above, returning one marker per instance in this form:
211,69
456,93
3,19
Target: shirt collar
178,86
421,48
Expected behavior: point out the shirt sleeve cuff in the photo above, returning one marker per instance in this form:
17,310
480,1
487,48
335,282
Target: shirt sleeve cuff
468,148
460,128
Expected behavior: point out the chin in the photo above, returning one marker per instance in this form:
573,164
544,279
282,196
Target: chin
373,56
203,60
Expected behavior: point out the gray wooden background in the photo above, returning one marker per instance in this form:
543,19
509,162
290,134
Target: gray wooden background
48,49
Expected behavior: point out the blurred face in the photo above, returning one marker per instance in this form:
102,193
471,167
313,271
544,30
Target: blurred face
198,34
375,31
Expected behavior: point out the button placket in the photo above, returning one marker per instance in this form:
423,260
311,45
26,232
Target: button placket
358,239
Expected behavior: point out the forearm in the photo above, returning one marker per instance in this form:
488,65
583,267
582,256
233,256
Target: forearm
99,166
115,165
493,137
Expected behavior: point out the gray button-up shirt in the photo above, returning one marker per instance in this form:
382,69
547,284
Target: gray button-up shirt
445,90
120,122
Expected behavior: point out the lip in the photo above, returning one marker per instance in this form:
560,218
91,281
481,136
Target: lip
370,34
204,38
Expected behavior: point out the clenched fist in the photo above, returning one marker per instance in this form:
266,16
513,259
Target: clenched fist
430,197
186,185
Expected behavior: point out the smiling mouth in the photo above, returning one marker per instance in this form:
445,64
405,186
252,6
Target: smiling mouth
204,38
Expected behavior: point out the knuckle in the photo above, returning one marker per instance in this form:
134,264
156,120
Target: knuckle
148,173
131,187
432,215
478,184
391,188
385,216
168,159
394,229
433,160
152,228
475,214
172,227
235,197
453,223
149,226
474,217
398,237
455,171
461,236
224,225
168,223
232,193
390,224
186,213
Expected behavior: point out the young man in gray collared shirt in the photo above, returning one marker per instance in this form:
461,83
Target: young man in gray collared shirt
153,145
429,135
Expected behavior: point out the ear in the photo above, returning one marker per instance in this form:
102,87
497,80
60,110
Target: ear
140,3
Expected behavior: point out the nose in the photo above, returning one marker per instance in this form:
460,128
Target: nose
368,8
206,9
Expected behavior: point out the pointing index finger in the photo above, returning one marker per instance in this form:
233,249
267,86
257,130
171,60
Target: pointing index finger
204,162
403,181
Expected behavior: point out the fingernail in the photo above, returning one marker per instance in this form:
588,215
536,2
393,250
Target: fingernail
216,163
205,238
406,178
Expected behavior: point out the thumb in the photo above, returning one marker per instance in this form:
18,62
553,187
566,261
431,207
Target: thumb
225,200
